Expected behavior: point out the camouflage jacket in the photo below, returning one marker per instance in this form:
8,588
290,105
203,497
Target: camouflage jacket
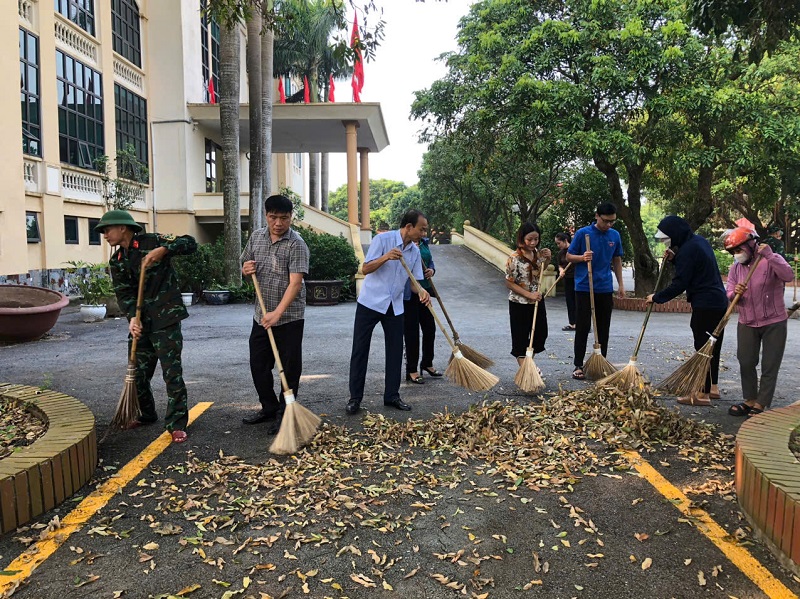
162,305
777,246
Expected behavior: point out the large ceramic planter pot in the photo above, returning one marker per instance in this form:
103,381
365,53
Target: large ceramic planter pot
27,313
217,298
93,312
323,293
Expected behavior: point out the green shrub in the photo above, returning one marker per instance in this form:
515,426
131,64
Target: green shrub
724,261
201,270
331,258
246,294
94,284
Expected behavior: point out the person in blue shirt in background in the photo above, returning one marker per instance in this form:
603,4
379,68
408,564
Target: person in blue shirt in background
381,301
605,256
417,317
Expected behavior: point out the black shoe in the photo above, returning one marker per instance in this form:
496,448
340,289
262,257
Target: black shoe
399,404
275,426
353,406
258,417
417,381
432,371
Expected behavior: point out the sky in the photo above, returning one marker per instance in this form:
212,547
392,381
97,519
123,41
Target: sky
414,35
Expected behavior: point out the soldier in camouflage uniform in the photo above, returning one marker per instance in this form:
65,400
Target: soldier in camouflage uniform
775,232
159,332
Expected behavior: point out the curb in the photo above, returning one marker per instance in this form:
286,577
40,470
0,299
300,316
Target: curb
767,482
41,476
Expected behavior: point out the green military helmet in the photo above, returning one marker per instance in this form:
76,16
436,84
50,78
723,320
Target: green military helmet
117,217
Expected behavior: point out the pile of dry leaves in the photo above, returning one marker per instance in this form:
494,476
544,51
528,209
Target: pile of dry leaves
19,426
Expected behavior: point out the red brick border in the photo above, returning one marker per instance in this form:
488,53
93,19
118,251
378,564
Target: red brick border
768,481
39,477
638,304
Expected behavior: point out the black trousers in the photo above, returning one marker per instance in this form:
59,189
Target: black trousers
289,340
521,319
569,295
365,322
603,306
416,317
703,323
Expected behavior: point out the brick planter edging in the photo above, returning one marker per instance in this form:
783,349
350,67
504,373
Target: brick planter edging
41,476
767,482
638,304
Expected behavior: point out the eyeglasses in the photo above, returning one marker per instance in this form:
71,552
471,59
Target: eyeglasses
609,221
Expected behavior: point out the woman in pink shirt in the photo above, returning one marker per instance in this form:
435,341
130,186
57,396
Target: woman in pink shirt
761,332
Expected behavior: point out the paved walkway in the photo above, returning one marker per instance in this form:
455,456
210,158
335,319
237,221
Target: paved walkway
88,362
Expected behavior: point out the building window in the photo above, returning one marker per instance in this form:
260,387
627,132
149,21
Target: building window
125,28
80,12
71,229
209,52
29,93
94,236
80,112
213,177
32,224
297,161
130,113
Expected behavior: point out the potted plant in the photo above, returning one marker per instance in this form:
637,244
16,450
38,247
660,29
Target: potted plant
94,285
217,294
331,270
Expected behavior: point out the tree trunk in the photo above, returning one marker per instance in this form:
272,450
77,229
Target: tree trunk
267,39
313,179
698,211
645,266
230,50
254,94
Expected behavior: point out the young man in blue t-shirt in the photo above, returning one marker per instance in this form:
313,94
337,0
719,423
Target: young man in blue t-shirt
605,255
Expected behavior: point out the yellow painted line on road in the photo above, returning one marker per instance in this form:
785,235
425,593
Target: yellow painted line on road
738,555
37,553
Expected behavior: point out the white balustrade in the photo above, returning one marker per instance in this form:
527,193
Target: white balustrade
81,186
129,75
25,9
75,41
30,174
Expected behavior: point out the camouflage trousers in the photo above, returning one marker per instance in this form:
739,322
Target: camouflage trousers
164,345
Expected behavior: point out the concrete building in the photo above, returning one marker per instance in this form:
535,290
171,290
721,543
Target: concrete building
97,76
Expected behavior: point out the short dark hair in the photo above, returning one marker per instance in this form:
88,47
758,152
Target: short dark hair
564,237
606,208
411,217
279,204
524,230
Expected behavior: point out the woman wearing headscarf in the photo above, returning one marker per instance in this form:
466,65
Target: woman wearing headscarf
761,332
696,273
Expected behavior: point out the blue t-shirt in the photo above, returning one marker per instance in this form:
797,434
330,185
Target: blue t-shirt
605,247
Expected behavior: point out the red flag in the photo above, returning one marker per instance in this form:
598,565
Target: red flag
331,89
281,93
212,96
357,81
306,91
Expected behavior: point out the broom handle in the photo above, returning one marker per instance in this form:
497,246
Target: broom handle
441,305
591,295
418,287
721,326
286,390
794,298
139,301
546,293
649,309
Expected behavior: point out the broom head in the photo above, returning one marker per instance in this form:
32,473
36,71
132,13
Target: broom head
597,367
128,405
473,355
528,378
627,379
298,427
469,375
691,375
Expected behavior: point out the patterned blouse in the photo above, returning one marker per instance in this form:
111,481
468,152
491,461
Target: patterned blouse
524,273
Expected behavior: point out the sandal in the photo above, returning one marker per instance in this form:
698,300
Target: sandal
569,327
754,412
693,400
740,409
578,374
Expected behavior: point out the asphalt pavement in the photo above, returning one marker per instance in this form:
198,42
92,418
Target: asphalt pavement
87,360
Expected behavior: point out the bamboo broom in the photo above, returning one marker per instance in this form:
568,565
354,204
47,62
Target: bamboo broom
691,375
461,371
629,377
528,378
470,354
596,367
128,410
299,424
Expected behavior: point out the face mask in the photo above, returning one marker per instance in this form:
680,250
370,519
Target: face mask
741,257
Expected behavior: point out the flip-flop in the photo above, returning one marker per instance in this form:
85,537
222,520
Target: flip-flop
567,328
578,374
714,396
691,400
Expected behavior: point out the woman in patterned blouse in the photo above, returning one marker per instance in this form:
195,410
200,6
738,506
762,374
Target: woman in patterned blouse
523,272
